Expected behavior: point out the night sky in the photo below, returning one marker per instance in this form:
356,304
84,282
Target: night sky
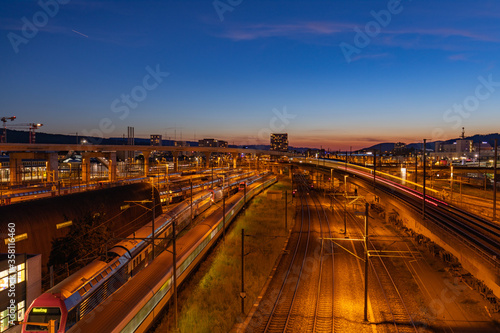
330,73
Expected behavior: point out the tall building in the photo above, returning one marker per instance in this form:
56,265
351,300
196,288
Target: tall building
212,143
20,284
156,139
279,141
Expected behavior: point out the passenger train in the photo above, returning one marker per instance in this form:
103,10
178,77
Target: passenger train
73,298
136,306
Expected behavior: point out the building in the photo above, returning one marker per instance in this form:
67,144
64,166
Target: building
156,139
181,143
214,143
279,142
20,284
464,151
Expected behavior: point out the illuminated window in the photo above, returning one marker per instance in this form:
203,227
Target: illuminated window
4,280
20,311
4,320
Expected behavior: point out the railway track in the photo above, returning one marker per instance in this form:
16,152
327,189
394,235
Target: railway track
305,299
394,310
480,235
279,315
324,317
398,311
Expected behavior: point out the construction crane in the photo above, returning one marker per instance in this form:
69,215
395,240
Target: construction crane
4,120
31,128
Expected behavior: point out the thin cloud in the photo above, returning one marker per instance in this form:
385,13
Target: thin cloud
445,33
442,38
458,57
370,56
256,31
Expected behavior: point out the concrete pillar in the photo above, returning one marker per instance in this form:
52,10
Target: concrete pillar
235,160
146,155
176,161
112,167
207,159
85,169
15,165
52,167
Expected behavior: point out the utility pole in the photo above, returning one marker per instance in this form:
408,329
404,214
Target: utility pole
345,205
495,181
286,210
242,294
346,160
174,253
223,212
423,192
153,220
451,186
191,183
245,197
366,261
416,168
374,166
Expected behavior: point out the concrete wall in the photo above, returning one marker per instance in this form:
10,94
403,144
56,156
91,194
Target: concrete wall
38,218
470,260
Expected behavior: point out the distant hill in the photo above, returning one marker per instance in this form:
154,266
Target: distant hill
389,146
14,136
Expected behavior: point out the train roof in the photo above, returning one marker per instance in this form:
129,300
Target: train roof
75,281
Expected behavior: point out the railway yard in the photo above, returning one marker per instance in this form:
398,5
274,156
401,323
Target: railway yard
318,285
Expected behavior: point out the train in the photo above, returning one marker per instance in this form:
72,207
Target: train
73,298
179,193
136,306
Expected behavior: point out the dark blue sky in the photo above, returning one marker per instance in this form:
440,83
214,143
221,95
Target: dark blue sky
330,73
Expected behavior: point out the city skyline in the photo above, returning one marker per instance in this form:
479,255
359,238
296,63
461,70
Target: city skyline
329,74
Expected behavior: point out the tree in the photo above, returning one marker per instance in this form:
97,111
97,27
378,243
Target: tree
85,241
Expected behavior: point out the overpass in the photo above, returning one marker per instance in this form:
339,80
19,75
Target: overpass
49,153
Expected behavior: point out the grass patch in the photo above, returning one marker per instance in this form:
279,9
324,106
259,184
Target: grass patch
210,301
